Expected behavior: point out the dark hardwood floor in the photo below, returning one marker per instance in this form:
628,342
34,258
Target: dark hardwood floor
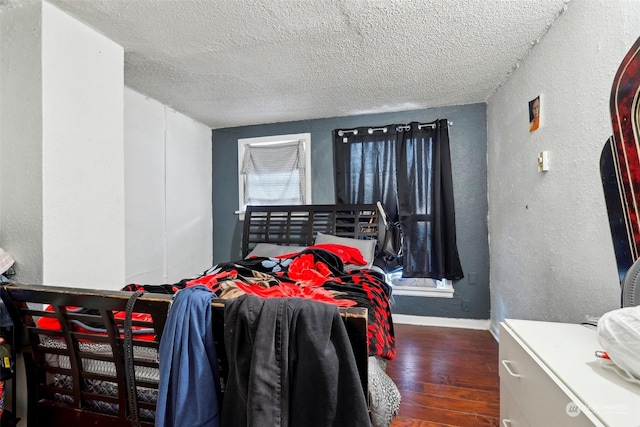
446,376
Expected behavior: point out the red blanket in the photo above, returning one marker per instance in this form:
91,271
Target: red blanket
315,273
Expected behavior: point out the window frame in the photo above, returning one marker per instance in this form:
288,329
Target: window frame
273,140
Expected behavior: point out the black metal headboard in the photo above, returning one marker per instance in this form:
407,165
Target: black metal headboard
298,225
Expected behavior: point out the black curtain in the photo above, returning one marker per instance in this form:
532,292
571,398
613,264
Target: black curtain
407,168
365,167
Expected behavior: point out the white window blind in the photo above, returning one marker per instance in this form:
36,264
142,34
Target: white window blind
274,170
274,174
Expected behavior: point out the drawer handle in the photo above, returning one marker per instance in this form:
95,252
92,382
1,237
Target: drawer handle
506,423
505,363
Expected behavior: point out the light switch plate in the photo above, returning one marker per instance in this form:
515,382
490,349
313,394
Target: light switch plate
543,161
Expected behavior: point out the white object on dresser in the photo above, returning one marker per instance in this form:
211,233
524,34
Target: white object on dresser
550,377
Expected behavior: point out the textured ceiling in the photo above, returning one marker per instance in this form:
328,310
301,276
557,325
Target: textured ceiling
238,62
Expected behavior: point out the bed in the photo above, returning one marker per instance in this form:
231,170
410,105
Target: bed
91,356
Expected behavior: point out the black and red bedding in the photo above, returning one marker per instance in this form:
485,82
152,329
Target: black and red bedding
317,273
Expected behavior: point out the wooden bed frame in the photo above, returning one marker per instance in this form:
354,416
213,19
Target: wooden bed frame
299,225
284,225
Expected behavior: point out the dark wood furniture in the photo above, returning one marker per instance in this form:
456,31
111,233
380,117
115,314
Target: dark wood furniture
52,403
299,225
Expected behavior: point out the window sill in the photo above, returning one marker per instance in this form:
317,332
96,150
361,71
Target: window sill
423,287
426,292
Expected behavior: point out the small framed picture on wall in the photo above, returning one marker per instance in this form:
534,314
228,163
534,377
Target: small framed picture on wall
534,114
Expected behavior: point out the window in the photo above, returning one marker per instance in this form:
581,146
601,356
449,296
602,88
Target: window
274,170
406,165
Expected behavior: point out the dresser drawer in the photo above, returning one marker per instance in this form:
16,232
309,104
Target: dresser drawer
510,414
534,389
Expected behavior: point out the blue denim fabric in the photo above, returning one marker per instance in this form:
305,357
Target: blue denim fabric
290,364
189,378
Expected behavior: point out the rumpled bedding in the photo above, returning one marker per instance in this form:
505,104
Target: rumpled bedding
318,273
315,273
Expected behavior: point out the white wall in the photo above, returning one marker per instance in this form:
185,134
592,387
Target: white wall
144,131
82,154
168,193
21,139
61,155
64,184
188,197
550,246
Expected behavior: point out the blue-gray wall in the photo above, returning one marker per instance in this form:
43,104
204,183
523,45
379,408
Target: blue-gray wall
468,137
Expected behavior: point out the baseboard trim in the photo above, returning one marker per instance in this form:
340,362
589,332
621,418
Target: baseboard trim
483,324
494,332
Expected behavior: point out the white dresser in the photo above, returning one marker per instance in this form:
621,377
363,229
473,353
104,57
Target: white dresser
550,377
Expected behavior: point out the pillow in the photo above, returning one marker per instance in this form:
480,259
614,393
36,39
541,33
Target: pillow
367,247
272,250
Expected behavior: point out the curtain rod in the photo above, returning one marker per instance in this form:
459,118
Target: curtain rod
372,130
342,132
432,125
